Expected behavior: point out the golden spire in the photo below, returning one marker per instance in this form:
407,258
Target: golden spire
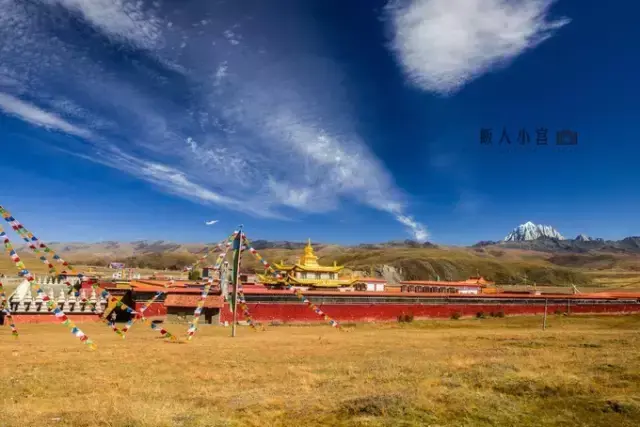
309,258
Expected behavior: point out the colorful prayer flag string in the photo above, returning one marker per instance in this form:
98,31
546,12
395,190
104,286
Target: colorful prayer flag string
219,245
140,314
53,307
162,331
24,233
112,325
33,241
5,306
158,294
241,300
245,308
20,229
28,237
193,326
297,292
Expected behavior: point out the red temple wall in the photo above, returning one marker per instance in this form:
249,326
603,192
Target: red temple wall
388,312
50,318
156,309
300,313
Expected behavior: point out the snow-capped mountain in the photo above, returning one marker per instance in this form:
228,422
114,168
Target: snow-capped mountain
583,238
531,231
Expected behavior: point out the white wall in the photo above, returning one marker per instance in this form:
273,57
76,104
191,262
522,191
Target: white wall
375,287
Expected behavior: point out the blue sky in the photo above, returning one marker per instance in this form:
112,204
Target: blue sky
343,121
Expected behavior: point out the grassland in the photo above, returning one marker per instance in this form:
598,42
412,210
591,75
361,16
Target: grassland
581,371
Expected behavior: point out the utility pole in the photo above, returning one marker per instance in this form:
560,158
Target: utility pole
544,320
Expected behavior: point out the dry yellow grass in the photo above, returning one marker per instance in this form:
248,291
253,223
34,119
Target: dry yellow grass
623,280
581,371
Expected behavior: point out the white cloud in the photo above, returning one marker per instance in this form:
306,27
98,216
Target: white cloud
444,44
278,134
213,221
8,79
418,230
300,198
34,115
221,73
176,182
124,20
233,37
342,166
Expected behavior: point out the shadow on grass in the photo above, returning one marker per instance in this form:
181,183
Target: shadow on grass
393,407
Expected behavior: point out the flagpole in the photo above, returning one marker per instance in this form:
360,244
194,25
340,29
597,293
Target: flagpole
236,267
235,310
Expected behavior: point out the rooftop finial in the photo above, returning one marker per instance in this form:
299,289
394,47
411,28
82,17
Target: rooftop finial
309,258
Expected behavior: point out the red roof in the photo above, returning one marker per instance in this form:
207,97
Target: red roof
310,294
162,284
191,301
191,291
440,284
479,279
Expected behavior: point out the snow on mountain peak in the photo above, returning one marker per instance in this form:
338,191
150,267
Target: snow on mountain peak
583,238
531,231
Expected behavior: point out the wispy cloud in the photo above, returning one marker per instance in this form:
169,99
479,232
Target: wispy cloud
131,21
32,114
211,222
175,181
418,230
444,44
221,73
189,102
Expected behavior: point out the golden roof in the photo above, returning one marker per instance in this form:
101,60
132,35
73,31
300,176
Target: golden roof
308,262
325,283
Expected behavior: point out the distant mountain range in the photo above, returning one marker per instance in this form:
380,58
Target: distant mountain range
546,244
544,238
528,236
538,252
266,244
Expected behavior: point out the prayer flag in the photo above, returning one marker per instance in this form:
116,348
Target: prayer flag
237,243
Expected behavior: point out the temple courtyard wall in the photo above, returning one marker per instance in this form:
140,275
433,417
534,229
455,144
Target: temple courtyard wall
299,313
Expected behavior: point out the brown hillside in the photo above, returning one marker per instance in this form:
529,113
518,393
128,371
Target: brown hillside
503,265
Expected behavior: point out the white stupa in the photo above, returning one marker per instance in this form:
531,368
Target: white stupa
21,291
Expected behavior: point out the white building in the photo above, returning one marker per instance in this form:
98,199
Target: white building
371,284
